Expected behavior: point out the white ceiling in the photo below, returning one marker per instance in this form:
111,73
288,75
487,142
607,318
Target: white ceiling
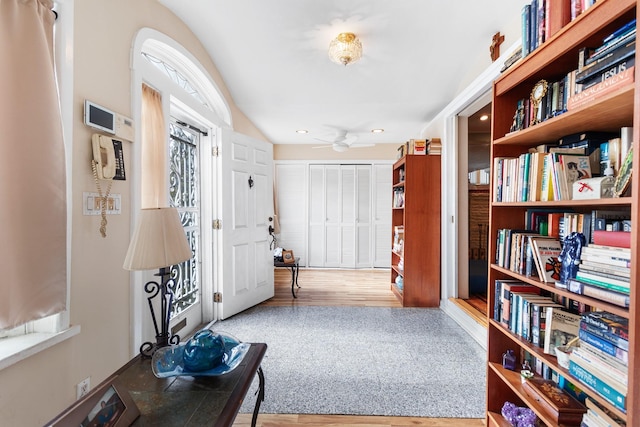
272,55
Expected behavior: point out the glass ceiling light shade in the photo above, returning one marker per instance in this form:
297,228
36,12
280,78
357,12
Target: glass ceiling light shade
158,241
345,49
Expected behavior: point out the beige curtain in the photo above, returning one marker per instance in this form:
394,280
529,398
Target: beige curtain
154,152
32,167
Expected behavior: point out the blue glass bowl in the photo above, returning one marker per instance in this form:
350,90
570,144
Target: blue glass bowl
206,354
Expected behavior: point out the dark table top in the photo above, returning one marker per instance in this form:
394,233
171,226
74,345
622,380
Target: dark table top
189,401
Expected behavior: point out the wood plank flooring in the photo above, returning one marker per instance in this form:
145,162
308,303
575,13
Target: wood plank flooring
323,287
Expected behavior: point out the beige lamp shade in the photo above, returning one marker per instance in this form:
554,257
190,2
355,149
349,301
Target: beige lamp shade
158,241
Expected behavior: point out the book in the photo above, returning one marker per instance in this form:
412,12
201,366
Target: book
562,326
604,346
497,308
539,321
605,417
608,72
606,61
505,296
620,239
564,408
609,322
587,350
573,138
605,268
604,374
603,282
557,15
598,385
546,252
587,96
575,168
602,368
605,335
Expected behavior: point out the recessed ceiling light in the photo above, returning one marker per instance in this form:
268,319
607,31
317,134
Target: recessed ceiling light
377,130
484,117
302,131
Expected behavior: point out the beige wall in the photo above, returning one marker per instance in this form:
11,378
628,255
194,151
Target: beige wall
36,389
306,152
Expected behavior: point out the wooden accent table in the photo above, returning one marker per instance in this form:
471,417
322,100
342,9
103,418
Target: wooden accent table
192,401
295,269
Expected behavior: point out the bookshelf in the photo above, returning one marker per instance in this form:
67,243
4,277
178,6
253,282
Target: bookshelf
417,263
553,59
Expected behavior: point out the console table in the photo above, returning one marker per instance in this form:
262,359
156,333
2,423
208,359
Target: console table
294,267
192,401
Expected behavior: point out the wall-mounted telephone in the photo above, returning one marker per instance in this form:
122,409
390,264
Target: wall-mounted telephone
107,164
108,157
104,156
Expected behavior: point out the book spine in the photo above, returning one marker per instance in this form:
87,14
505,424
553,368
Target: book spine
620,239
607,73
604,375
603,259
617,327
612,297
605,335
606,61
609,85
617,399
526,22
604,283
604,346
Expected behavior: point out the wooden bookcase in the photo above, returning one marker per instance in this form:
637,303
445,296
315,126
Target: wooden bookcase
552,60
418,177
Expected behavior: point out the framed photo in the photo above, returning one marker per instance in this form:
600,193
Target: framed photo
108,405
624,175
287,257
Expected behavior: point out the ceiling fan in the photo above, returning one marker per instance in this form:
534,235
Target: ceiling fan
342,141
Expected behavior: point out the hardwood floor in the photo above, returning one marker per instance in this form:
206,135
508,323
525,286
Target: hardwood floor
324,287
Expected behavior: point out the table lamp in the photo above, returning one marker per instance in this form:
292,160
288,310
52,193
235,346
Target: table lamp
159,241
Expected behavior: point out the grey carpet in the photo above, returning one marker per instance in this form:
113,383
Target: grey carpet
363,361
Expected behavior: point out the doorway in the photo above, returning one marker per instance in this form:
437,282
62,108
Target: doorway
478,167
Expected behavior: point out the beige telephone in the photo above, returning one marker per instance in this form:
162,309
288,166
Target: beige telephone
104,156
104,167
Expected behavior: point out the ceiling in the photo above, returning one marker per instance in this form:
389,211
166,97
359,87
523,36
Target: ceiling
272,55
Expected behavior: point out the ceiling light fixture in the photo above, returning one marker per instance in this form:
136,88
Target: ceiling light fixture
345,49
377,130
302,131
484,117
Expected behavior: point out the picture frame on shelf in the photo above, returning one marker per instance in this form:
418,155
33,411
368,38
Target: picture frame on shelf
624,175
108,404
288,257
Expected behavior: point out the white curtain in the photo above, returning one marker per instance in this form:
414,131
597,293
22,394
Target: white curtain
32,167
154,152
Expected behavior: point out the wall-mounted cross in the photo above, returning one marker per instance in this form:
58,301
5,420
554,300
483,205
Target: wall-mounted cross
494,48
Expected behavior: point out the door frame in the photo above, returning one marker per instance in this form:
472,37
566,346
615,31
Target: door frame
446,126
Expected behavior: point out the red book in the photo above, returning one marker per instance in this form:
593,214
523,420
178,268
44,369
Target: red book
558,14
619,239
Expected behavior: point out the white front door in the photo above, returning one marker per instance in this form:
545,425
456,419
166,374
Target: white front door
246,273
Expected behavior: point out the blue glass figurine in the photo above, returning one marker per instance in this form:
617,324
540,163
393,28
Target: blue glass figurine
570,256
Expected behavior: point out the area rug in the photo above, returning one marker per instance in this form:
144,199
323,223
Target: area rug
363,361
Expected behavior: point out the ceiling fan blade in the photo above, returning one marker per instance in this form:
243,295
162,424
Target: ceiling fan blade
323,146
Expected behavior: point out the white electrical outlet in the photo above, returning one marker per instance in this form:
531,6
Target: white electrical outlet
83,387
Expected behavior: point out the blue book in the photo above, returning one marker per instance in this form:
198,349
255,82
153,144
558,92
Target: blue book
605,335
620,31
604,346
613,396
526,23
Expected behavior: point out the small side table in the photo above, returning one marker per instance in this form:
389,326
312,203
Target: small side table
294,267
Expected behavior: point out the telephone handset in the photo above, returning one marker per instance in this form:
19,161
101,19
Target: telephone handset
104,156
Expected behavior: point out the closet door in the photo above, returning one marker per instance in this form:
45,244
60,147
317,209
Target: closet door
381,218
363,249
317,216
